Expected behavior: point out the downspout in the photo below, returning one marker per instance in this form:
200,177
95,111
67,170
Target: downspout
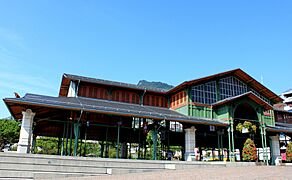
142,97
211,112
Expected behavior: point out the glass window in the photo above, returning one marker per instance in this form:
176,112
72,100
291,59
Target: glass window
231,86
228,87
204,93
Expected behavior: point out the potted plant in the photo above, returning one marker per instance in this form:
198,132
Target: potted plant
289,152
249,152
246,127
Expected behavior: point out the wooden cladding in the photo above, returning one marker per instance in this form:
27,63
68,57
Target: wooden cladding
121,96
93,92
103,93
152,100
125,96
179,99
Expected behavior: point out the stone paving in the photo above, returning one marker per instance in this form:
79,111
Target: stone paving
222,173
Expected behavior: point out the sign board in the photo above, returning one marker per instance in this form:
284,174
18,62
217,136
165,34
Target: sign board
212,128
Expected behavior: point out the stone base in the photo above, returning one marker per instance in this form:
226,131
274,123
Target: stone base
190,156
21,148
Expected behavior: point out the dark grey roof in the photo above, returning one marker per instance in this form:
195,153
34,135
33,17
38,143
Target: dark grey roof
110,107
112,83
284,125
277,128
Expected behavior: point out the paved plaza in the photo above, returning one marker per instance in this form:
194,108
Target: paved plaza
242,173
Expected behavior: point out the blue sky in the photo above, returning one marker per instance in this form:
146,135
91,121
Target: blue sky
168,41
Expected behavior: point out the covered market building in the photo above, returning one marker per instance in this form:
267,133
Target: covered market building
201,118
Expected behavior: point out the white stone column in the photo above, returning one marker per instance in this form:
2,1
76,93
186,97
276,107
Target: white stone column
275,150
190,143
25,132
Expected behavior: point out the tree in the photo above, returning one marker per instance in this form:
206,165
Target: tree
289,152
9,132
249,152
46,145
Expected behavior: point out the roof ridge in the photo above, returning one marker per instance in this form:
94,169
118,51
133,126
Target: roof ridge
129,85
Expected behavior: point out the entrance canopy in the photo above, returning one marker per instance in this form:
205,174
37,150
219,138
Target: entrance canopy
40,103
250,95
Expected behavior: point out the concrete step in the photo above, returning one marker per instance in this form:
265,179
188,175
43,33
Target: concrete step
15,174
29,166
51,168
19,174
127,171
81,161
49,175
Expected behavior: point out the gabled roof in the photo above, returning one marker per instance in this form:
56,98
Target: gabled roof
68,77
240,74
105,107
249,95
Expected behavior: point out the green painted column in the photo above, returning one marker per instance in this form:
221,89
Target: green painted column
62,145
229,142
154,140
262,138
76,135
33,145
222,145
219,144
70,143
265,143
232,141
118,140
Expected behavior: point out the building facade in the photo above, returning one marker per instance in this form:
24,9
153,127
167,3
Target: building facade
287,96
200,116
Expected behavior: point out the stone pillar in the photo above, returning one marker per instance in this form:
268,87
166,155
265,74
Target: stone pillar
190,143
275,150
25,137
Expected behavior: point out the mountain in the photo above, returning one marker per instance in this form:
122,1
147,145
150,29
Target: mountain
154,85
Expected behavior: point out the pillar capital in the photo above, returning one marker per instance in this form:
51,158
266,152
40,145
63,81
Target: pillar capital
28,112
191,129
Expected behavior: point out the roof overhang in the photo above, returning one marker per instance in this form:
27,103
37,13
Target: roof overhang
279,129
249,95
16,105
